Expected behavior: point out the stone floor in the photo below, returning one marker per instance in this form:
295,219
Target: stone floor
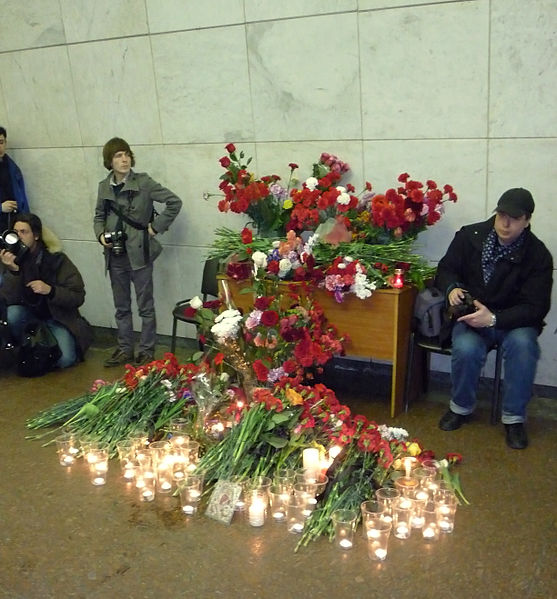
61,537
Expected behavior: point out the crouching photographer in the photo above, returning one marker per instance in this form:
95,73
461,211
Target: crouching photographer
42,287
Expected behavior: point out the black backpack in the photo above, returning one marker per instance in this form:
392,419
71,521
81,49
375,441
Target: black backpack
7,347
429,312
39,351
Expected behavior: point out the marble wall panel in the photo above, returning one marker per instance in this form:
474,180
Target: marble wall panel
523,71
30,24
177,15
203,85
460,163
262,10
424,71
528,163
115,91
98,307
304,78
177,276
382,4
57,185
4,118
85,20
546,373
39,98
191,171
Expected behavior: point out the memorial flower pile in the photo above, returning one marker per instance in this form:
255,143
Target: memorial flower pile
373,228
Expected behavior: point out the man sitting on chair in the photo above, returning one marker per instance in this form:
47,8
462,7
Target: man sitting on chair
508,271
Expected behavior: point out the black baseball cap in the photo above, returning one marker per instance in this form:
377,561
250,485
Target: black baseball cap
516,202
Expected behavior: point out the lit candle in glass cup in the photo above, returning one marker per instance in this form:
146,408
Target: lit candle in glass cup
378,533
67,448
145,482
190,493
430,529
97,459
295,516
344,522
445,509
256,512
403,511
279,498
406,485
305,492
387,496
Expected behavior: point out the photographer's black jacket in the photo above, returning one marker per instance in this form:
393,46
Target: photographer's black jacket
518,293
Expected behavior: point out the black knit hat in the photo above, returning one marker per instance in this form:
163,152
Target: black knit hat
111,147
516,202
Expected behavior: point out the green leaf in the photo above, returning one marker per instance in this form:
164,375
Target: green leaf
274,441
280,417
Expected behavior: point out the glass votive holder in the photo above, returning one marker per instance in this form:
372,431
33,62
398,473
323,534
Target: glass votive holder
145,482
126,456
279,498
190,493
311,477
67,448
164,475
445,509
430,529
387,496
261,484
371,509
240,504
285,478
424,474
295,515
305,492
257,501
406,485
97,459
159,450
378,533
403,511
344,523
420,498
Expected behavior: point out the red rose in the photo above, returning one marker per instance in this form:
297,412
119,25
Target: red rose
247,236
263,302
218,358
269,318
225,161
230,148
261,371
190,312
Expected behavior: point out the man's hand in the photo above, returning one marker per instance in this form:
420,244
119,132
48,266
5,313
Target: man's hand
40,287
103,242
9,206
8,259
151,231
482,317
456,296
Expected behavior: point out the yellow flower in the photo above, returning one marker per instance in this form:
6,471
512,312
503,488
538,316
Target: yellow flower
414,449
287,204
294,397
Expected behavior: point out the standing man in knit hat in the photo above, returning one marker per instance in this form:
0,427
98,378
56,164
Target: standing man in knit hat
127,225
509,273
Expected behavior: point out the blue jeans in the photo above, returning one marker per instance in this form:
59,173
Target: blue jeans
20,316
521,352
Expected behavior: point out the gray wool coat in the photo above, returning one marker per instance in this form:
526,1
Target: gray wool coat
136,201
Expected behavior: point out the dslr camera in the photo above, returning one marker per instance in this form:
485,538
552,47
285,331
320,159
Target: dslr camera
466,307
118,241
10,241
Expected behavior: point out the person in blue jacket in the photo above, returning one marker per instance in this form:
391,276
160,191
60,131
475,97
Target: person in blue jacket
12,188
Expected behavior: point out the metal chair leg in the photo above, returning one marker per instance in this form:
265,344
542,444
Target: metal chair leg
173,340
496,394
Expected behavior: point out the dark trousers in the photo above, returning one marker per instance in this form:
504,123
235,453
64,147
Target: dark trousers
121,278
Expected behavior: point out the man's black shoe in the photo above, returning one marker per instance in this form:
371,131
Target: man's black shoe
143,357
450,421
118,358
516,435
